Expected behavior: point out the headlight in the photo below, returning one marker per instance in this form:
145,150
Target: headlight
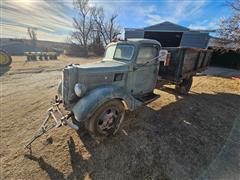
79,89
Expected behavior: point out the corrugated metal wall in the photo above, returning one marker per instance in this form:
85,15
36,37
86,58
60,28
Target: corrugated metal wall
189,38
194,39
134,33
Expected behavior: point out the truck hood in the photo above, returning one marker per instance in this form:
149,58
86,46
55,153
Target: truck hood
91,76
105,66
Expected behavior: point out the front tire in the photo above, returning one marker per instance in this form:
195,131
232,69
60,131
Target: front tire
107,119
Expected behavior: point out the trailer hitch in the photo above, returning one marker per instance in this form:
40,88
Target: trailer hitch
58,119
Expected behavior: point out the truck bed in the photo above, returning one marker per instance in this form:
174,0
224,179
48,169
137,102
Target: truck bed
184,62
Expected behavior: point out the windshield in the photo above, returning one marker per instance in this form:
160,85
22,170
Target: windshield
119,52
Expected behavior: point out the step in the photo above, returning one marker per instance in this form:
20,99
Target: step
147,98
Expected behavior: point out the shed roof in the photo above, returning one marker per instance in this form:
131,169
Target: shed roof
166,26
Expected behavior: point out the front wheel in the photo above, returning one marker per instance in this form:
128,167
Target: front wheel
185,86
107,119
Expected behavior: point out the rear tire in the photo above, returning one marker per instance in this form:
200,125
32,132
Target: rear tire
185,86
5,59
107,119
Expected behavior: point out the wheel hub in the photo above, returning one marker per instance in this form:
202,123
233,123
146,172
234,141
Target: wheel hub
107,120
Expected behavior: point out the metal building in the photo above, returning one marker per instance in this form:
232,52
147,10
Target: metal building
171,35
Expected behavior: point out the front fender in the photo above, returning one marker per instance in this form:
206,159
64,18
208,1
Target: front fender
87,105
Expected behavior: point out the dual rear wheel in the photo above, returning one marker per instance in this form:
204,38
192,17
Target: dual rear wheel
185,86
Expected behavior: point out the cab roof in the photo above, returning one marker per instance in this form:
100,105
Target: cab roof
141,40
138,41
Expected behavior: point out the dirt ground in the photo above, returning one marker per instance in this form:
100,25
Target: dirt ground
174,137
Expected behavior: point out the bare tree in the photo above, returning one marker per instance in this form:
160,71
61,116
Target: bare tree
83,23
107,28
235,5
32,35
229,28
99,19
92,29
111,28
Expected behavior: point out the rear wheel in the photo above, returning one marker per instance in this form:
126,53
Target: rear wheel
5,59
107,119
185,86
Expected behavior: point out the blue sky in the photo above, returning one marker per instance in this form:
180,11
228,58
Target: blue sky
53,18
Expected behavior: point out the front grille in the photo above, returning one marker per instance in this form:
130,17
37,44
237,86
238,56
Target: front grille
69,81
65,80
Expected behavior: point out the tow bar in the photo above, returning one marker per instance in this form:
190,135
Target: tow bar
58,119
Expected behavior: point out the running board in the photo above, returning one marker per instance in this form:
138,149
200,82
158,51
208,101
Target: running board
147,98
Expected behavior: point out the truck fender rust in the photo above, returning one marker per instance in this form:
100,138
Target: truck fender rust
88,104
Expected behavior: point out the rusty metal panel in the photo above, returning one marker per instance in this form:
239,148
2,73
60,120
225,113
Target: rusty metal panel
201,59
207,58
170,72
190,58
184,61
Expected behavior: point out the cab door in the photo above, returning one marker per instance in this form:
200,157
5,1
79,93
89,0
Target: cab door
145,70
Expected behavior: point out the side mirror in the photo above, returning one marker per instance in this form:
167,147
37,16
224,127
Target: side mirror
162,55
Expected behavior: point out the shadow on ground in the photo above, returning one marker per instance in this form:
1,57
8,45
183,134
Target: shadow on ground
3,70
178,141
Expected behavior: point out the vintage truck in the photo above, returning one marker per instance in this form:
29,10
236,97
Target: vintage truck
98,94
